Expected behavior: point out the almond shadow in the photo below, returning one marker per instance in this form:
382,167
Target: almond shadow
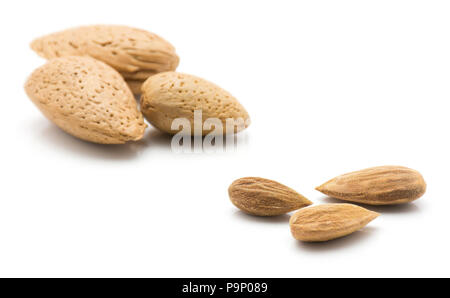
53,135
279,219
159,139
155,137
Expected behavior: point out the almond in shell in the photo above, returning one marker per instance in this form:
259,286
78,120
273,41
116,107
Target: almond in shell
135,53
86,98
135,86
171,95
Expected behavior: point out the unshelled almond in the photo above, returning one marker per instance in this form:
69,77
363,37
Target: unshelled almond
171,95
386,185
264,197
86,98
135,53
329,221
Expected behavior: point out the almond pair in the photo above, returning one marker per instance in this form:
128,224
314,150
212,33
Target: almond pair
264,197
90,100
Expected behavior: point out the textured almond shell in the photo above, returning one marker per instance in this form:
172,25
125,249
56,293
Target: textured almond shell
86,98
386,185
264,197
329,221
136,54
170,95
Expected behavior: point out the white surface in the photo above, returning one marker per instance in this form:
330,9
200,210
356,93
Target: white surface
332,86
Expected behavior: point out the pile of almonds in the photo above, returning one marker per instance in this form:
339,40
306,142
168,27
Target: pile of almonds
385,185
86,88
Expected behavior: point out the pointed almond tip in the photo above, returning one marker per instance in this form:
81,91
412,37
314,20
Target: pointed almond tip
35,45
374,215
308,202
320,188
32,45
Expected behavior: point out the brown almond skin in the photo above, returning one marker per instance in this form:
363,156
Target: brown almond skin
136,54
170,95
329,221
264,197
385,185
87,99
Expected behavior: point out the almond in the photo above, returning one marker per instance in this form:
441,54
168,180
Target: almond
135,53
87,99
170,95
386,185
135,86
139,75
329,221
264,197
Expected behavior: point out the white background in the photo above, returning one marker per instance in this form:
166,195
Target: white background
331,86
